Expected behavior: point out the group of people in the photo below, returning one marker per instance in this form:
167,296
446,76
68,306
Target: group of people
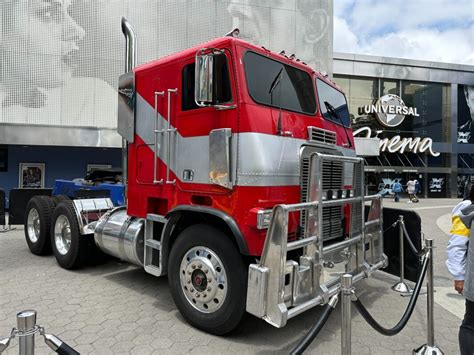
413,188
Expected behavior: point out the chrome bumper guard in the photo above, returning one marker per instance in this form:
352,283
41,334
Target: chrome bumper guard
279,289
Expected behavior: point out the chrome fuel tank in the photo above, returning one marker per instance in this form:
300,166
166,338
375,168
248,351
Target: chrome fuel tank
120,235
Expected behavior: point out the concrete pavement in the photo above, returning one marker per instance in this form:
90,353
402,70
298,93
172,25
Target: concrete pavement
117,308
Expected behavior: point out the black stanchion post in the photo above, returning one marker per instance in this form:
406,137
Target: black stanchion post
401,286
346,324
430,348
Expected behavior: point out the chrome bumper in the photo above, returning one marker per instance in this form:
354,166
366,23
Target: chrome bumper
279,289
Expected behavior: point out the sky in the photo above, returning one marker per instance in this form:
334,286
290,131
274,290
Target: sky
436,30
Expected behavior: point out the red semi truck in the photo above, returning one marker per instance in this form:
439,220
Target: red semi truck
242,186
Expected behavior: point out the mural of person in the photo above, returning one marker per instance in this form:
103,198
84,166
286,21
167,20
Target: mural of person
301,27
466,127
39,48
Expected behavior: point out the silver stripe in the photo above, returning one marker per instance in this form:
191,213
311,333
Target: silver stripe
263,159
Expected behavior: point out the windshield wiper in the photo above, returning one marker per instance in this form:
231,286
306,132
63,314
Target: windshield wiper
334,113
275,81
274,84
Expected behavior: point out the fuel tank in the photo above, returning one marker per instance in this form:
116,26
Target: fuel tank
120,235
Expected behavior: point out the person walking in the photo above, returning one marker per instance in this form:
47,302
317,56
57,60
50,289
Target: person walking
411,189
397,189
460,263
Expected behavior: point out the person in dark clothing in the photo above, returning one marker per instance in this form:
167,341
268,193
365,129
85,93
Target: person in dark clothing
460,264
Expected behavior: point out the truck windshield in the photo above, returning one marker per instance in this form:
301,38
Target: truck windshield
332,98
279,85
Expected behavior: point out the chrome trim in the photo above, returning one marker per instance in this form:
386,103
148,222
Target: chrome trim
120,235
320,135
220,157
130,45
33,225
62,234
170,131
156,133
130,61
203,279
90,210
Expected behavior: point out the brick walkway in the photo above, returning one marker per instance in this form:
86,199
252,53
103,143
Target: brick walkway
118,308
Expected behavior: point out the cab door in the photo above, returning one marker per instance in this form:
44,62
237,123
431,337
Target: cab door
205,134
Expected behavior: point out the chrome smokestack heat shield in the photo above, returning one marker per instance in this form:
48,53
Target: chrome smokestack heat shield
126,103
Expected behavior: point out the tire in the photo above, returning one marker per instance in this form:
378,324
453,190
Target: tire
38,224
70,248
211,294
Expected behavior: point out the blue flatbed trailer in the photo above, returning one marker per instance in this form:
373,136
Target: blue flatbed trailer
78,189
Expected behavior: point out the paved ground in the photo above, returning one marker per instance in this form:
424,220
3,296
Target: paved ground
117,308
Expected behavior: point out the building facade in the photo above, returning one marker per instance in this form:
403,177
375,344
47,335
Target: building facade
60,63
431,140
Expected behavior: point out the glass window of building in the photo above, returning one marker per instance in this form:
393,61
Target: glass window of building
389,86
433,104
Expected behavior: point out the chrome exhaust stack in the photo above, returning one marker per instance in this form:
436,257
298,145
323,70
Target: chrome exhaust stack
126,127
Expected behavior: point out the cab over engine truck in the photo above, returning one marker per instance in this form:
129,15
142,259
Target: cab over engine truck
243,186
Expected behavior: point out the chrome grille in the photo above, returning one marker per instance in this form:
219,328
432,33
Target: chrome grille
321,135
332,179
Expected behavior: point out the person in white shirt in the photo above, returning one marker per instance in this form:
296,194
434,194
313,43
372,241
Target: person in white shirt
411,189
460,264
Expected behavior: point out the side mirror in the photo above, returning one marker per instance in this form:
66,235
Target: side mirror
204,84
204,90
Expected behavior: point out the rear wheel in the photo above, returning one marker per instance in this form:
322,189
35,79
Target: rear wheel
38,224
70,248
208,279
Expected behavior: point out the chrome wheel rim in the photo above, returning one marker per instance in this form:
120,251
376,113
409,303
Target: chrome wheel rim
203,279
62,235
33,225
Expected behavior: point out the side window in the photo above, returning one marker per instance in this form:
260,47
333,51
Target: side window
188,102
222,86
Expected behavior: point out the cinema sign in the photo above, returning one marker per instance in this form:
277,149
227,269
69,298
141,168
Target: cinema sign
390,111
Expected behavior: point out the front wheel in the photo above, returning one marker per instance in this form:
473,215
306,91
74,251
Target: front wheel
208,279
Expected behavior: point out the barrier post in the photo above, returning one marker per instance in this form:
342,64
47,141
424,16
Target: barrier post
430,347
401,286
26,322
346,323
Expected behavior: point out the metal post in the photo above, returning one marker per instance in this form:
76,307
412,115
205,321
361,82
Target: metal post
430,347
346,324
26,321
401,286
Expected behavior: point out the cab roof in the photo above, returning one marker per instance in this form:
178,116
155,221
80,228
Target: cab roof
230,42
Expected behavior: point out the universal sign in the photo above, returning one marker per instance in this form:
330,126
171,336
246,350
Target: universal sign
390,110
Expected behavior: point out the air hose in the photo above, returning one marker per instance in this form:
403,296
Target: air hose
315,329
408,312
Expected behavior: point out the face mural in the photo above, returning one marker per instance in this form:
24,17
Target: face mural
60,59
465,114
